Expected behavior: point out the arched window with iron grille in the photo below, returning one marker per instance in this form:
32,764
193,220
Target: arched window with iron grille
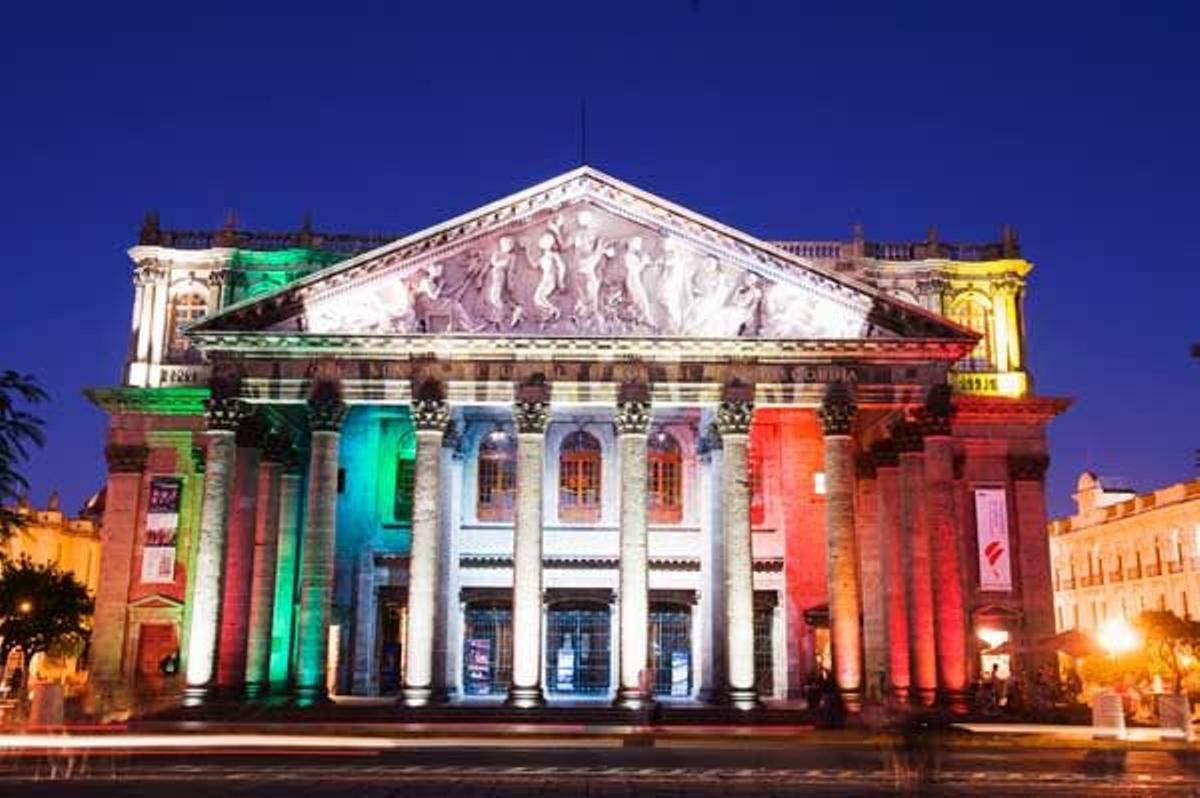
497,476
579,464
664,466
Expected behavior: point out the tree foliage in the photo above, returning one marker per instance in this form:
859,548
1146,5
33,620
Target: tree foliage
20,431
1169,642
41,608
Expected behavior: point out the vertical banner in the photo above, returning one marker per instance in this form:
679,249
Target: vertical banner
162,528
991,524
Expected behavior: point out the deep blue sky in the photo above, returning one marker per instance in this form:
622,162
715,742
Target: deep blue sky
1077,125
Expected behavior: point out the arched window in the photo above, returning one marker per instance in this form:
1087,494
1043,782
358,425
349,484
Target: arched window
972,312
664,466
185,309
497,476
579,478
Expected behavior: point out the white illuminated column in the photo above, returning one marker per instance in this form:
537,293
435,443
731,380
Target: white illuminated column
430,417
632,423
531,416
325,417
841,558
223,417
733,421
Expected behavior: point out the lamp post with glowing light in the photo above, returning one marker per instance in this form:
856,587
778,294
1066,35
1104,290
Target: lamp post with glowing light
1117,637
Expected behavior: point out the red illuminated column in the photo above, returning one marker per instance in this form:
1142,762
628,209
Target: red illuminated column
837,419
117,534
430,415
239,558
943,538
326,412
887,486
734,417
870,579
275,451
1028,474
917,565
223,414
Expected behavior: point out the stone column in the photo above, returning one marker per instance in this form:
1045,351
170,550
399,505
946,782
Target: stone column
841,560
239,557
531,413
734,417
632,423
712,565
288,550
126,464
223,415
917,567
947,567
262,581
870,579
326,412
887,485
430,416
1032,577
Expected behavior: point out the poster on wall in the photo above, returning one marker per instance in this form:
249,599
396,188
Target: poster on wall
991,524
479,666
162,529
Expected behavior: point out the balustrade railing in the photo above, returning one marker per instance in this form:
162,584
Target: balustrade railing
1116,576
1174,566
1154,569
1134,573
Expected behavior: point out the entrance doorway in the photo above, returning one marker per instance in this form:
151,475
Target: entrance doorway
487,648
157,642
578,648
671,649
393,629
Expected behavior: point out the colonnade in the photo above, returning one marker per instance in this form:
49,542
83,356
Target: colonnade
920,570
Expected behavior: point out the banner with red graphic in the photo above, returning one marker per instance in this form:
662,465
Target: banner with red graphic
162,528
991,524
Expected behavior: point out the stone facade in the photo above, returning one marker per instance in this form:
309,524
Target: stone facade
581,443
1125,552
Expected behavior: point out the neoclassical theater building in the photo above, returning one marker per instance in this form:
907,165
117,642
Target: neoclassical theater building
579,443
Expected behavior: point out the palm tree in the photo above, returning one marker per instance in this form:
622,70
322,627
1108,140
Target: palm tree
20,430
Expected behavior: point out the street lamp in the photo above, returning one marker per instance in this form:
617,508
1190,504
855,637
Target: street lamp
1118,637
25,607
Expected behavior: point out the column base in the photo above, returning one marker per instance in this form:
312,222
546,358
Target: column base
310,696
416,697
525,697
900,696
742,698
633,698
926,696
852,700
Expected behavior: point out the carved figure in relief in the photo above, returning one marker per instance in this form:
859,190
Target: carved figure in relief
636,262
590,252
675,287
497,275
554,272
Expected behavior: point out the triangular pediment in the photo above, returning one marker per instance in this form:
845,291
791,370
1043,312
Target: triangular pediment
582,255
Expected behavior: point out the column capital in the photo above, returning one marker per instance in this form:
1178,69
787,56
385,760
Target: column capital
1028,467
884,454
935,416
734,417
633,417
126,458
837,411
224,413
430,414
531,416
907,437
326,414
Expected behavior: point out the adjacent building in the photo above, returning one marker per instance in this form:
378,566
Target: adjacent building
580,442
1125,552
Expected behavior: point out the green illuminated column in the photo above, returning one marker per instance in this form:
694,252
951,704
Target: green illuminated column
430,417
632,423
326,412
841,559
284,608
223,415
734,417
262,581
531,413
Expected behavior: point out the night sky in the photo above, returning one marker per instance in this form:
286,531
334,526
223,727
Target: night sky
1076,125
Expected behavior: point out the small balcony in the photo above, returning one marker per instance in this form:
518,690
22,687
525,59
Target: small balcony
1154,569
1174,566
1116,576
1133,573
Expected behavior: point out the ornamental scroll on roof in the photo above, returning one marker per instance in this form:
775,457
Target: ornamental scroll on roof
580,256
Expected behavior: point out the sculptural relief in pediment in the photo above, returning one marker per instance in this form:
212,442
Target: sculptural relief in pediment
581,270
